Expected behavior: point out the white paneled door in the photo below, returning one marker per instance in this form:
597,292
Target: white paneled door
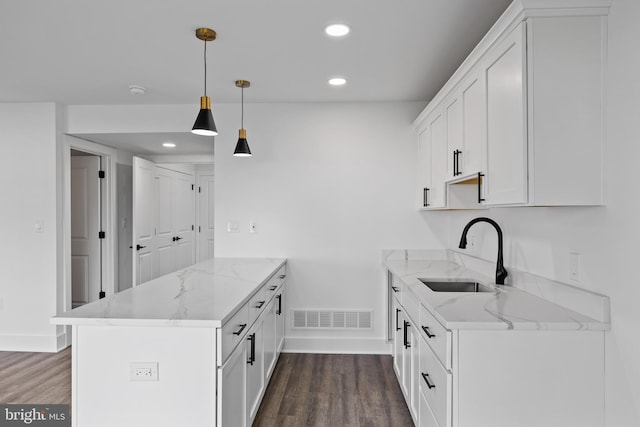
205,215
85,226
144,190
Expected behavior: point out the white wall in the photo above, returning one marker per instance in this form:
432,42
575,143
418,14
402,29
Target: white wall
29,260
330,186
539,240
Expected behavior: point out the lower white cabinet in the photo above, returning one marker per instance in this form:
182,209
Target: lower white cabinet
244,376
489,378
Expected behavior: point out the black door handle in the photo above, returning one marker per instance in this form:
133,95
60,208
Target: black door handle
279,297
138,247
175,239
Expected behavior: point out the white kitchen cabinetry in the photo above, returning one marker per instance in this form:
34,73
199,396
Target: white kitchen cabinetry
432,156
506,148
526,110
464,112
478,378
247,370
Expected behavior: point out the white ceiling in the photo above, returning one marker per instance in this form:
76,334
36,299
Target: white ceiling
87,52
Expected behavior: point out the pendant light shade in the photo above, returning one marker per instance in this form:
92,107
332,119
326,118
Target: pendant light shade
242,147
205,125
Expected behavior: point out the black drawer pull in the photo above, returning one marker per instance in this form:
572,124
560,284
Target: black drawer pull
426,380
259,304
252,354
395,289
282,276
480,198
427,331
239,331
279,297
273,288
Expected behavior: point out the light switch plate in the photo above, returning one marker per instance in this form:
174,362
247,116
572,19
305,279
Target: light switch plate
253,227
574,266
233,227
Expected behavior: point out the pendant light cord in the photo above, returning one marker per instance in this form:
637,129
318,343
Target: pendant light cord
205,68
242,109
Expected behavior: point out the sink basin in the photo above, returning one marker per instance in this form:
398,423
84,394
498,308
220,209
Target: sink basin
455,285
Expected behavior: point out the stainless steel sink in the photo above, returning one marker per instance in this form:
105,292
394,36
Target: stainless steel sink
455,285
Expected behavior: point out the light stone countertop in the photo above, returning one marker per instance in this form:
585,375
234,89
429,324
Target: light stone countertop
505,308
202,295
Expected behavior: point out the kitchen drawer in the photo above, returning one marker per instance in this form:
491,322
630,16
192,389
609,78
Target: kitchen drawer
275,282
426,417
435,384
438,338
257,304
397,288
232,333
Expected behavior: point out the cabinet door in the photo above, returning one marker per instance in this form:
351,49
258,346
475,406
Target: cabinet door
470,160
438,145
398,343
232,389
454,135
506,156
270,344
414,368
255,369
280,318
423,169
406,358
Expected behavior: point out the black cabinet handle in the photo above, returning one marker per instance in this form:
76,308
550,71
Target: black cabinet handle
279,298
407,344
252,353
426,380
273,288
480,199
282,276
427,331
259,304
456,163
239,331
397,322
425,197
395,289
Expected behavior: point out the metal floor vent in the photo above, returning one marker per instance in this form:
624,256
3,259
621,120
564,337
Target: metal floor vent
325,319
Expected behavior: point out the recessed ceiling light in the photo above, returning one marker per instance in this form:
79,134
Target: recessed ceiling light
169,145
337,30
337,81
137,90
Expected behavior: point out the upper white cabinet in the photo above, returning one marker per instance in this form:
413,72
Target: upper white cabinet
506,126
522,118
432,168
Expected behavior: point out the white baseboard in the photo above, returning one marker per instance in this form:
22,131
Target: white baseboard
34,343
336,345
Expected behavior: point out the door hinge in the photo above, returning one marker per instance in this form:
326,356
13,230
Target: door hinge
101,235
101,174
199,189
192,187
193,227
199,229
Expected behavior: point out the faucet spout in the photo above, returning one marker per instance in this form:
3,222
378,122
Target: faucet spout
501,272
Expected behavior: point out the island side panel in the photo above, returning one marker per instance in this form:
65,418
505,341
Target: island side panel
105,396
529,378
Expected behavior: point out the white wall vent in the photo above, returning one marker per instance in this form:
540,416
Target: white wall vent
329,319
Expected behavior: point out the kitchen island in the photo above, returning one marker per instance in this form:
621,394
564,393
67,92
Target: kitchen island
195,347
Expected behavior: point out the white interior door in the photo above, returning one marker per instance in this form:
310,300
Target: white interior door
144,191
165,218
85,225
184,219
205,218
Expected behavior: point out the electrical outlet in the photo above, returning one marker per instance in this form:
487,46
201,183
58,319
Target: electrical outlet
143,371
253,227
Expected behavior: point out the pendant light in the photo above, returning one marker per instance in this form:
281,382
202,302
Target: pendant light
204,124
242,147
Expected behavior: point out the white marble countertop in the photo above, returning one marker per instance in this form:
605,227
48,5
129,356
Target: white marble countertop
202,295
504,308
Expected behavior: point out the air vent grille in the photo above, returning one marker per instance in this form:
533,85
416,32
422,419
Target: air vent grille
329,319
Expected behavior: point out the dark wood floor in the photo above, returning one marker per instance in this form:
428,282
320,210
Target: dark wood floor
305,389
333,390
